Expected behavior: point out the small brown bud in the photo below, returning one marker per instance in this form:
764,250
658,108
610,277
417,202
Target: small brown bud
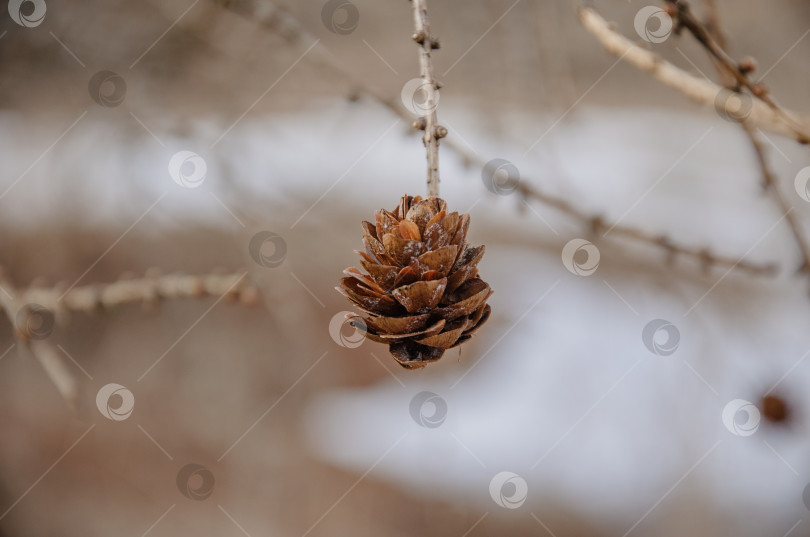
759,89
435,44
774,409
231,297
419,123
747,65
198,287
250,296
439,131
419,37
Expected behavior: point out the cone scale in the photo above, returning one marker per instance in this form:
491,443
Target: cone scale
419,292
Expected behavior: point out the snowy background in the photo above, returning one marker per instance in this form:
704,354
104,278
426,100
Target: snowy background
307,437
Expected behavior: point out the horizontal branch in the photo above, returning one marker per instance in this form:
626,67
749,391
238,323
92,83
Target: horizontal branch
147,290
700,90
704,256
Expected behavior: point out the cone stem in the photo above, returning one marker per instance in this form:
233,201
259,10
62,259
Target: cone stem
429,121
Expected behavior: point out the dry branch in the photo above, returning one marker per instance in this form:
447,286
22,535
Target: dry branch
146,291
92,298
717,51
711,36
428,122
279,21
762,115
52,361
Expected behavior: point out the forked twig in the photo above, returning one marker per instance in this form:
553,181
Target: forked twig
52,362
686,19
762,115
735,74
20,307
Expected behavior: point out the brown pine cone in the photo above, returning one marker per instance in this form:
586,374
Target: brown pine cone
422,294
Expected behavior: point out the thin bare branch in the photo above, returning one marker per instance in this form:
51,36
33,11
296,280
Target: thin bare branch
52,361
704,256
146,291
730,72
762,115
428,122
686,19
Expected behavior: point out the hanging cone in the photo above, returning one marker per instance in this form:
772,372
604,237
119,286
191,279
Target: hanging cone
420,292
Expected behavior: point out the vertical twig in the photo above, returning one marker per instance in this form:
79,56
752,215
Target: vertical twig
428,122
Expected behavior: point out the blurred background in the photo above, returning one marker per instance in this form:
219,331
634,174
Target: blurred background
641,395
